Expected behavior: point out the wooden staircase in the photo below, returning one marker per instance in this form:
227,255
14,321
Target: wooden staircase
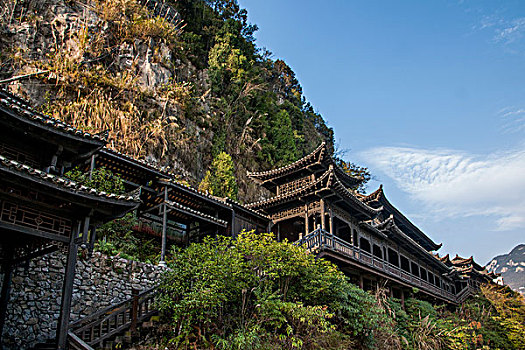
115,325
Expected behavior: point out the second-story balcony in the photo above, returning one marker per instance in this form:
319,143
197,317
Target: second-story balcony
320,241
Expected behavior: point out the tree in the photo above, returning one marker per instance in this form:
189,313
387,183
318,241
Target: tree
220,178
256,293
279,146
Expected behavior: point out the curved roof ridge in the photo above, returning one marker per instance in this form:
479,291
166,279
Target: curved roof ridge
350,194
23,109
374,195
291,193
66,183
258,174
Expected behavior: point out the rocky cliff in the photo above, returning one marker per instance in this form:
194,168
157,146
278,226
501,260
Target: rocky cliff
175,86
512,268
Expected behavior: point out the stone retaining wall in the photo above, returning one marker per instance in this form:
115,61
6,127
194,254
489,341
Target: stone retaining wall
36,290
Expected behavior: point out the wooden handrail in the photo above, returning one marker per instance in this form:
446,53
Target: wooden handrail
321,239
108,322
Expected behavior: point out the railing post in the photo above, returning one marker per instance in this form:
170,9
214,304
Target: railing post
134,310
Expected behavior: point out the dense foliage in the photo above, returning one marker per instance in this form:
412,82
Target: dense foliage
117,237
220,179
182,93
257,293
101,179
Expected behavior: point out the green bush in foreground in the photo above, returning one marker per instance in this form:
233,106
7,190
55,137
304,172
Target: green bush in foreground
257,293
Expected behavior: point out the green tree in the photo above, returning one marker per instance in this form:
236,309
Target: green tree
101,179
255,292
279,145
220,179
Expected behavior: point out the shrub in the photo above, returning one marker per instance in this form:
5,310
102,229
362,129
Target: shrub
255,292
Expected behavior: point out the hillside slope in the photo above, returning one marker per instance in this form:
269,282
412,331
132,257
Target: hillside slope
512,268
176,90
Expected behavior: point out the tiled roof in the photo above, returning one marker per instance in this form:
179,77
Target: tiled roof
328,180
314,155
378,197
67,184
197,213
390,225
318,155
206,195
163,171
374,196
23,109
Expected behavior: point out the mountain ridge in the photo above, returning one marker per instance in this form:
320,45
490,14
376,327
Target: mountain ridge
511,266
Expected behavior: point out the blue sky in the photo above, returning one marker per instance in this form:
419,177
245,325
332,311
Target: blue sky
429,95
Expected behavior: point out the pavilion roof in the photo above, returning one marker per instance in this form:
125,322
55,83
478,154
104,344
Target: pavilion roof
62,182
328,181
21,109
106,206
320,156
378,199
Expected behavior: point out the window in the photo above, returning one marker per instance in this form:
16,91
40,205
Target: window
393,257
415,269
405,265
364,244
423,274
377,251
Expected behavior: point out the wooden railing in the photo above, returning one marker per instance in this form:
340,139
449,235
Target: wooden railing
92,331
465,293
322,240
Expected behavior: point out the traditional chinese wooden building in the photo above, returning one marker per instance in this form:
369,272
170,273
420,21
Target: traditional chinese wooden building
173,210
40,211
313,203
467,274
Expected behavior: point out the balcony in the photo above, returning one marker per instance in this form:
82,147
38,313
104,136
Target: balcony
320,240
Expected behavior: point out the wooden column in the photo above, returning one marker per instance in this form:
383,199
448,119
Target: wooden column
67,290
162,261
4,296
331,220
234,234
361,282
322,214
134,310
306,227
402,299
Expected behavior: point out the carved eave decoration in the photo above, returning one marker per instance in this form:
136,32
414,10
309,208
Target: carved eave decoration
320,157
378,199
326,183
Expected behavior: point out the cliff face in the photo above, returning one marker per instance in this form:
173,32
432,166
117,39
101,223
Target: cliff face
175,89
512,268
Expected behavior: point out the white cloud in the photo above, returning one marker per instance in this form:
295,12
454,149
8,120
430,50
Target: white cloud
513,119
452,183
510,31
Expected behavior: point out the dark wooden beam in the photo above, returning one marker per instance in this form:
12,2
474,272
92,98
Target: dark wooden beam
67,291
6,227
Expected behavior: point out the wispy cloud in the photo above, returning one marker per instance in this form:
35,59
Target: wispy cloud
452,183
513,119
504,24
510,31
